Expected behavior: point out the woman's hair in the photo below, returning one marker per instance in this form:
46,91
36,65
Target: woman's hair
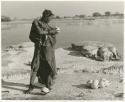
46,15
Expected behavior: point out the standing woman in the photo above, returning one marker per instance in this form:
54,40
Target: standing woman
43,64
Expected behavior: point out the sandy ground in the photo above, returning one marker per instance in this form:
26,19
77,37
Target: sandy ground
73,73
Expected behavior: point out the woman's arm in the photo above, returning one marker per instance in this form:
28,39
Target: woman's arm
39,29
53,31
34,37
36,31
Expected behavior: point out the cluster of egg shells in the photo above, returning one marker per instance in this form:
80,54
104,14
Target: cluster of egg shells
95,84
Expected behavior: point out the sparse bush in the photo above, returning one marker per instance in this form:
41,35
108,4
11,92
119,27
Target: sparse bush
96,14
107,13
58,17
5,19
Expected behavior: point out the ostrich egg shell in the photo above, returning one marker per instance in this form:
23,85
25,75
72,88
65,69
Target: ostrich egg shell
107,83
94,84
102,84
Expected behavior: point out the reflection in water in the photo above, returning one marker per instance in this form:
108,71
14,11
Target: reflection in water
105,30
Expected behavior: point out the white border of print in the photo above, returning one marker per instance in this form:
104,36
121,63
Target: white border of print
58,100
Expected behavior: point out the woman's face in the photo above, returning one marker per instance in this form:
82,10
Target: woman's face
47,19
50,18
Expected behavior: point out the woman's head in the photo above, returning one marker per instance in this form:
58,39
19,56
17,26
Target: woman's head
47,15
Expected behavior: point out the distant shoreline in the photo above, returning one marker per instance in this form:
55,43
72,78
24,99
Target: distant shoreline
68,18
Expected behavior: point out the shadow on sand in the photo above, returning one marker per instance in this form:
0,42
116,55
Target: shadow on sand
73,52
10,85
81,86
13,86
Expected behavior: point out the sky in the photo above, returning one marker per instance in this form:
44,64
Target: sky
32,9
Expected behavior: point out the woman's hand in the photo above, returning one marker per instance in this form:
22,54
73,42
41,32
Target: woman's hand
57,29
53,31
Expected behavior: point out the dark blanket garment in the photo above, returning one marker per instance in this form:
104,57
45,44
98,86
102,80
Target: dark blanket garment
44,54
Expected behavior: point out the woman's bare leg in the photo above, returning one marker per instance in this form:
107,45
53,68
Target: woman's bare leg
32,79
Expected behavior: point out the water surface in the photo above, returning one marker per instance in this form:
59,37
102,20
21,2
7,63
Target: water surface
105,30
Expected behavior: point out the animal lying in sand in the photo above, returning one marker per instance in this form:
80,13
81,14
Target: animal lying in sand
103,53
108,53
87,51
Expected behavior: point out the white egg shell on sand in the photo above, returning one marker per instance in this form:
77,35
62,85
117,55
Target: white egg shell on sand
95,84
107,83
102,83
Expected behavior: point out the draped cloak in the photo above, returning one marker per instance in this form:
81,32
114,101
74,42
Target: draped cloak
43,62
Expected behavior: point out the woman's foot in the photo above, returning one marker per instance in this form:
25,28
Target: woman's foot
29,90
45,90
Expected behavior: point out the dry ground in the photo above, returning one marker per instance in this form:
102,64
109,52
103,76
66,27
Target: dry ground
73,72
